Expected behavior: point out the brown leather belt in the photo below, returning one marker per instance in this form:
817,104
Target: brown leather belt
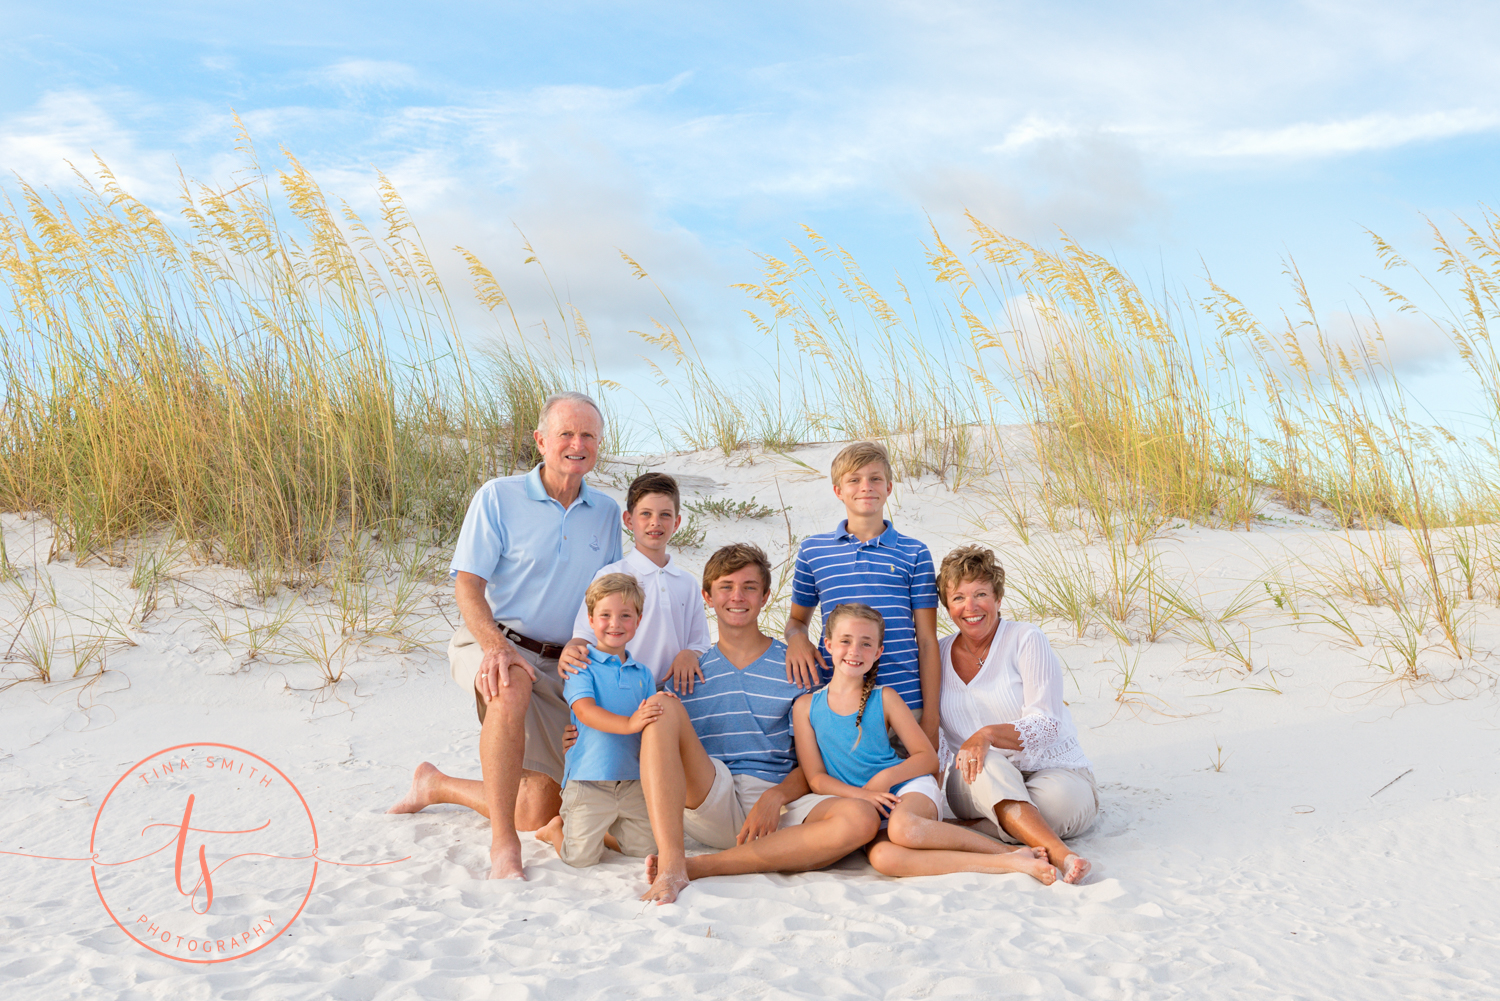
549,651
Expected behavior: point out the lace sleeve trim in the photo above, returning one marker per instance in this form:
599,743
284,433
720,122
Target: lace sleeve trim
1038,732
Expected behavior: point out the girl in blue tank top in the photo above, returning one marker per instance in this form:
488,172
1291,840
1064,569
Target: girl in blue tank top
844,751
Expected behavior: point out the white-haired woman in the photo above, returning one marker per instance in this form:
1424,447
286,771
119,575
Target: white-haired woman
1018,770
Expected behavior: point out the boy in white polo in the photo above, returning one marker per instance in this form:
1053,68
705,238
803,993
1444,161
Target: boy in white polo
673,630
609,699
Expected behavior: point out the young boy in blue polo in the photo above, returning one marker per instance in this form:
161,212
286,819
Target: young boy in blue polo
602,774
865,560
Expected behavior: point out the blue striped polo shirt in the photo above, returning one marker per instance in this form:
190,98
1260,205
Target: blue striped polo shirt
744,716
892,573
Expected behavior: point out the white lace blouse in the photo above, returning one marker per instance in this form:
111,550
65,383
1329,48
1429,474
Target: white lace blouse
1021,683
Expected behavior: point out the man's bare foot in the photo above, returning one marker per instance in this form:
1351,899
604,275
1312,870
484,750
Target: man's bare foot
665,885
551,833
505,862
1075,869
420,796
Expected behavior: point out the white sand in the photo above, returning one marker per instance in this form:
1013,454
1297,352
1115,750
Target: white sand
1279,876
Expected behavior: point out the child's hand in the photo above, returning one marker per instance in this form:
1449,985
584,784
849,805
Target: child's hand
803,662
883,800
645,714
686,672
574,658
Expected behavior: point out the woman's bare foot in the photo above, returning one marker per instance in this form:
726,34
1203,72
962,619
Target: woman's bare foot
1075,869
505,861
420,795
665,885
1036,851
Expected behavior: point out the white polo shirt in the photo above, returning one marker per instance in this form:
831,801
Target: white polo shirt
672,621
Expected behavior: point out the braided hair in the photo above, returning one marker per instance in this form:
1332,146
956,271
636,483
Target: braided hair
855,610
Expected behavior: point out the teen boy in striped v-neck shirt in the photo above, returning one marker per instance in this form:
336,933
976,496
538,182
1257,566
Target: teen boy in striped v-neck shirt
866,560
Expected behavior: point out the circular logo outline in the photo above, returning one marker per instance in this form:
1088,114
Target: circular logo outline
93,853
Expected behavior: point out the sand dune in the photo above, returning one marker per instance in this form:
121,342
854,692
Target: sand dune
1277,876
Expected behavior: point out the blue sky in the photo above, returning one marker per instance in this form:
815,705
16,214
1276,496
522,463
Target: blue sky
695,134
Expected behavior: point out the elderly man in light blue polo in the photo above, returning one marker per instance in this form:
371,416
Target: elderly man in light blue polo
529,547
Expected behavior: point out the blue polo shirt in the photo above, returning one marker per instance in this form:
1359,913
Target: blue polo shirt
892,573
536,557
616,687
744,716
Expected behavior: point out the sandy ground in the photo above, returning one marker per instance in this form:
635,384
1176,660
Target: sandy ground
1292,870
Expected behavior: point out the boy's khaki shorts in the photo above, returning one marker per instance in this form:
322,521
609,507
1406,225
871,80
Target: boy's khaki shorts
718,819
546,715
592,809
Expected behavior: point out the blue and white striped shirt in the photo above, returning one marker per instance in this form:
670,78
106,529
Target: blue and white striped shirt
892,573
744,716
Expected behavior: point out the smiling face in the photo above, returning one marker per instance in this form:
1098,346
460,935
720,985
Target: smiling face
737,598
614,621
652,521
854,645
865,490
569,439
974,609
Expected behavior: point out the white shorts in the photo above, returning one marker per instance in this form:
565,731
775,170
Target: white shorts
718,819
927,786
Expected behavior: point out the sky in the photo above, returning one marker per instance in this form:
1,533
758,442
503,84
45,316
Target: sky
1172,136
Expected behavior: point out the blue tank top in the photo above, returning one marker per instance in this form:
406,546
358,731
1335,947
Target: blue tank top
850,763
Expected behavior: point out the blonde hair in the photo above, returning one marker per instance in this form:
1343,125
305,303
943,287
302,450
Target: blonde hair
854,610
615,583
858,455
968,563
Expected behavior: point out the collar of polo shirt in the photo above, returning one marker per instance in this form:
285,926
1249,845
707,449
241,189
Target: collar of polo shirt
642,565
881,539
537,492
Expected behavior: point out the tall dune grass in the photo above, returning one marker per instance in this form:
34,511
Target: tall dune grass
271,378
259,387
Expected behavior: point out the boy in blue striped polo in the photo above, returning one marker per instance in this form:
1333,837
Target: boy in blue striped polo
865,560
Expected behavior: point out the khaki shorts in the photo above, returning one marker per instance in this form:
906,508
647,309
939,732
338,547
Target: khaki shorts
718,819
592,809
1067,798
545,716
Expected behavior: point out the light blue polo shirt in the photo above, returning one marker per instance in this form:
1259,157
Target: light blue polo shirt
616,687
537,559
892,573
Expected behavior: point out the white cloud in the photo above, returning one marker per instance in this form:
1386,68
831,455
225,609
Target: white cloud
359,74
1356,135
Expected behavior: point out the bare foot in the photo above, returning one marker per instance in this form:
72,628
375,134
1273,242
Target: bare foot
505,862
1075,869
1037,868
551,833
420,796
1037,852
665,885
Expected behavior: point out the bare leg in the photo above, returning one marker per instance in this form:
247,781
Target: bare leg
1023,822
502,746
891,859
914,824
675,771
429,786
833,829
